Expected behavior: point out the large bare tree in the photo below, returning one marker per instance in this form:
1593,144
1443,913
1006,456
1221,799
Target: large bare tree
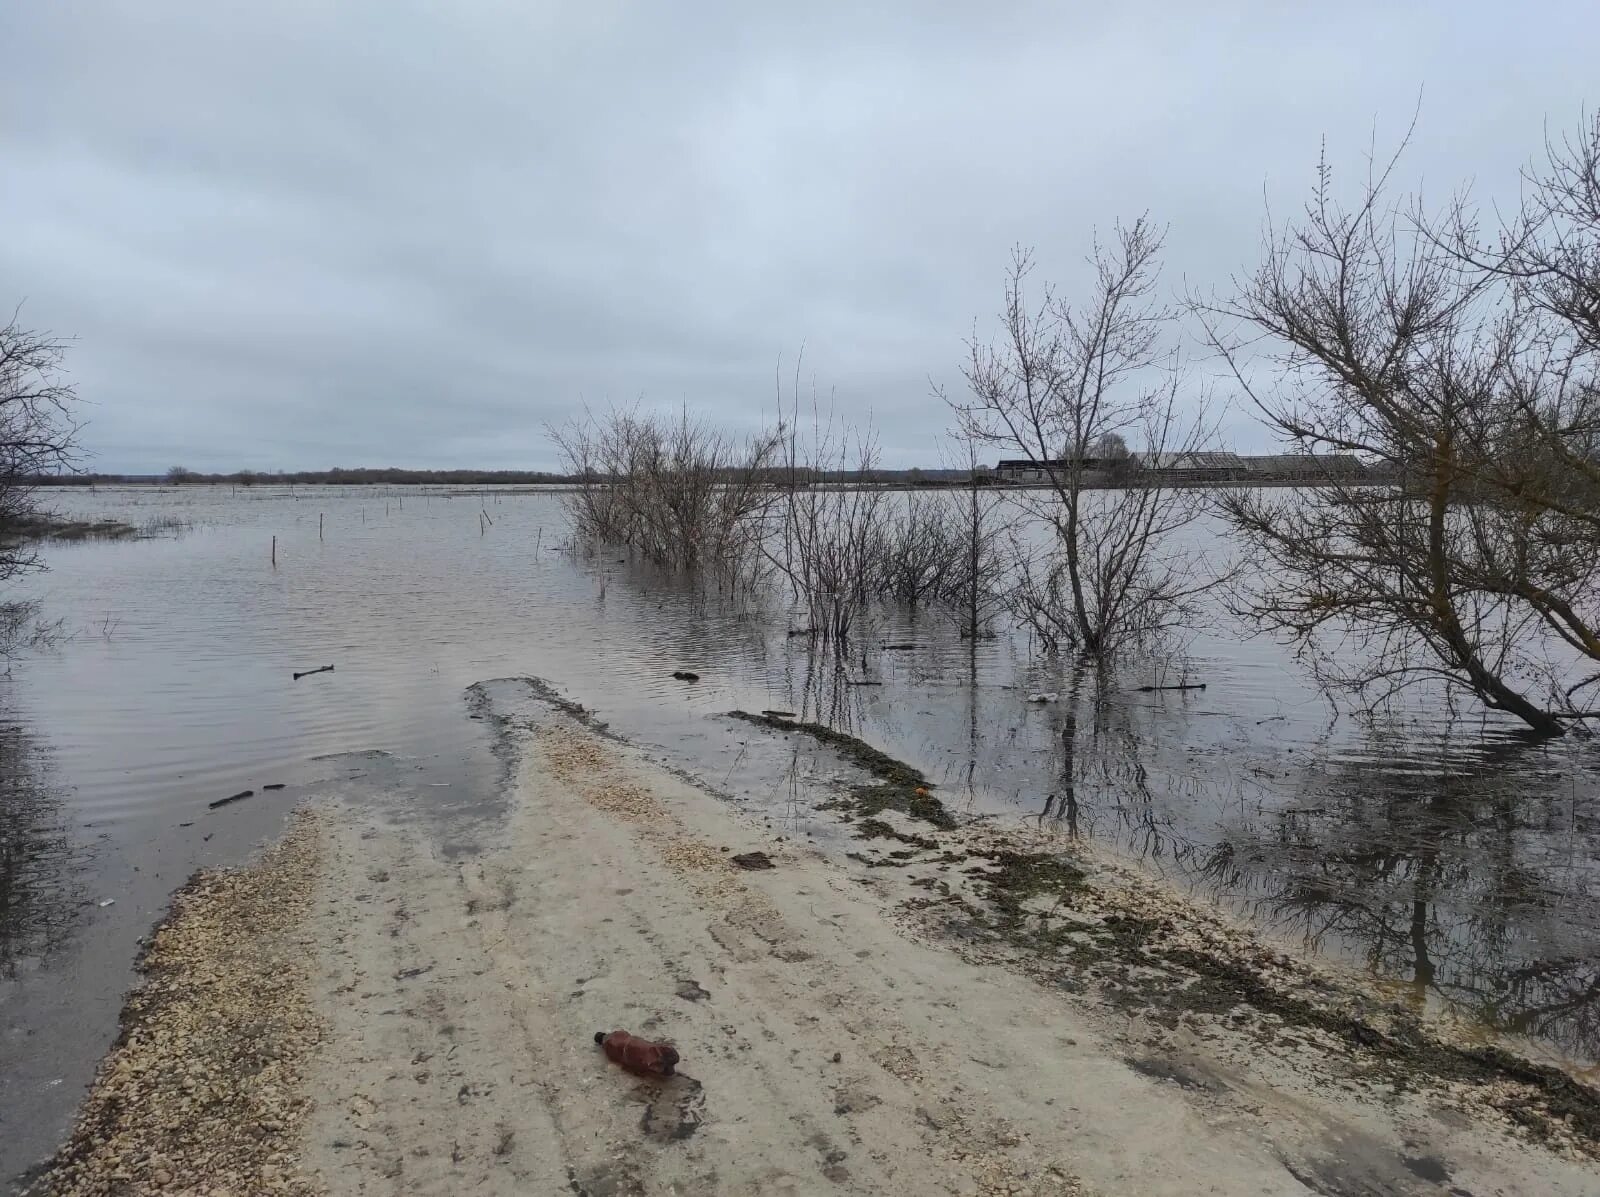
1064,383
38,433
1465,374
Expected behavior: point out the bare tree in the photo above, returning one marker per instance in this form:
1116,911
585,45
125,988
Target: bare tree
1467,379
1063,383
919,547
830,547
38,434
979,589
1551,249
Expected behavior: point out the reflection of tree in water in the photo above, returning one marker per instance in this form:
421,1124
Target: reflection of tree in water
1102,769
1472,878
825,689
36,899
1476,884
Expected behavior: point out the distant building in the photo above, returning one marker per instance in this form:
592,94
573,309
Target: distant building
1209,465
1305,467
1022,471
1204,466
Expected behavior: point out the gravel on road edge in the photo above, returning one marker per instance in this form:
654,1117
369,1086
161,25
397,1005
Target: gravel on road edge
201,1094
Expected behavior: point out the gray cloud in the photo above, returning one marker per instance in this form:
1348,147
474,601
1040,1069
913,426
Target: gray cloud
403,233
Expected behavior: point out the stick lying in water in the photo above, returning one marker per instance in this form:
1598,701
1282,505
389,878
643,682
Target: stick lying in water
231,798
309,672
1182,686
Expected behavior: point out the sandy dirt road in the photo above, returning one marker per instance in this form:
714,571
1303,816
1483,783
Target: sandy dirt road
824,1049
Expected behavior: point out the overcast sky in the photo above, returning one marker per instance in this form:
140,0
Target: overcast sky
331,233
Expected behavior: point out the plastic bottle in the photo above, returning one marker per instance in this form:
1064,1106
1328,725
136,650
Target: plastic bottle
644,1056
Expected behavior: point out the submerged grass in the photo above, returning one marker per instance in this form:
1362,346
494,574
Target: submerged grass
895,785
52,527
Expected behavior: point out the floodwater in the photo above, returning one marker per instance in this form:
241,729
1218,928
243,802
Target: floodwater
1458,864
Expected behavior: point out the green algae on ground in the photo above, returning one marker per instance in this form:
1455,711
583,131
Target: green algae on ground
896,785
1405,1051
877,829
1087,934
1162,968
1019,877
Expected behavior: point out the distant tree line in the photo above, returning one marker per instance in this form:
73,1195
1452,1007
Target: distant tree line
382,476
394,476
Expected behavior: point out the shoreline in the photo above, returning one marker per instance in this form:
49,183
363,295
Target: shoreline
1031,902
899,1006
202,1090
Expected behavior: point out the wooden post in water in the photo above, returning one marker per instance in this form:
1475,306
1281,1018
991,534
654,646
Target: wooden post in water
274,552
319,525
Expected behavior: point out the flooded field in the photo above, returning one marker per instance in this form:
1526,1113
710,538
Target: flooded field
1456,863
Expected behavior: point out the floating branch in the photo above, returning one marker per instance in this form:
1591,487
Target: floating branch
309,672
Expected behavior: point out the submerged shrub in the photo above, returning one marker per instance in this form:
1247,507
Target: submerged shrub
681,493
